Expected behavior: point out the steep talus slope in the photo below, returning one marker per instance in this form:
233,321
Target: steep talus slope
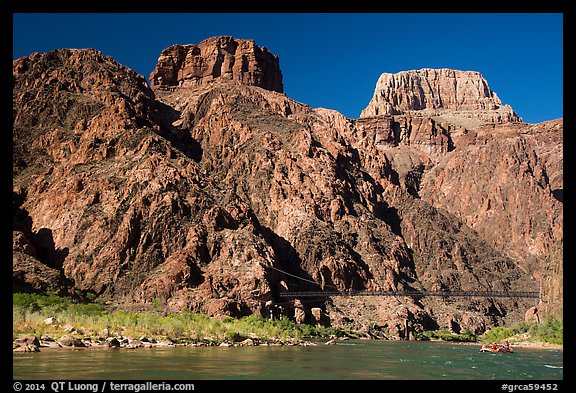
205,190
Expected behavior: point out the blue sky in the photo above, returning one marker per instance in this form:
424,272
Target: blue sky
334,60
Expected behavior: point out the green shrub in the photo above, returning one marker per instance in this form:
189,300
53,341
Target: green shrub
157,304
37,302
252,319
520,328
422,336
496,334
25,301
308,331
89,310
550,331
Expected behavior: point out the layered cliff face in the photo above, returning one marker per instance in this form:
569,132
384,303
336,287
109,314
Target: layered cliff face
205,190
218,58
436,92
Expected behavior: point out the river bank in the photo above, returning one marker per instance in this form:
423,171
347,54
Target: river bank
47,321
513,344
537,345
50,322
70,342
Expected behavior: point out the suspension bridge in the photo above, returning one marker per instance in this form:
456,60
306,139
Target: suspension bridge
334,291
414,294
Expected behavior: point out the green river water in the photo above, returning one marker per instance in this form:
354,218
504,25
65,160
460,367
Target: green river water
354,359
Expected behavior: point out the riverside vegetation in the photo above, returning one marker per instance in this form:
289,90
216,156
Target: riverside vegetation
52,317
55,316
549,331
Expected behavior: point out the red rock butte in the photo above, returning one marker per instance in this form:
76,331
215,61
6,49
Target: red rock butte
218,57
437,91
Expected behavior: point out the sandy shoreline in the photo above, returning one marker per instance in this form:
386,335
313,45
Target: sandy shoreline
520,344
538,345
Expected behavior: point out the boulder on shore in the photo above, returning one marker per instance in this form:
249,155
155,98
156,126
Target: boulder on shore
70,341
26,344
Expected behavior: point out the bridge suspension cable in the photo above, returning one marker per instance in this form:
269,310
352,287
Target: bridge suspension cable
484,294
335,291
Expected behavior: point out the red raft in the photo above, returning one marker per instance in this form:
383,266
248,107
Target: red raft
497,348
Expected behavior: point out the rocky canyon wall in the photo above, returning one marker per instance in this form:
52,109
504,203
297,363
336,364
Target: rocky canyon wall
213,190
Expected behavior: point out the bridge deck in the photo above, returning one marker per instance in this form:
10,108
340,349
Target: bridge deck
485,294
